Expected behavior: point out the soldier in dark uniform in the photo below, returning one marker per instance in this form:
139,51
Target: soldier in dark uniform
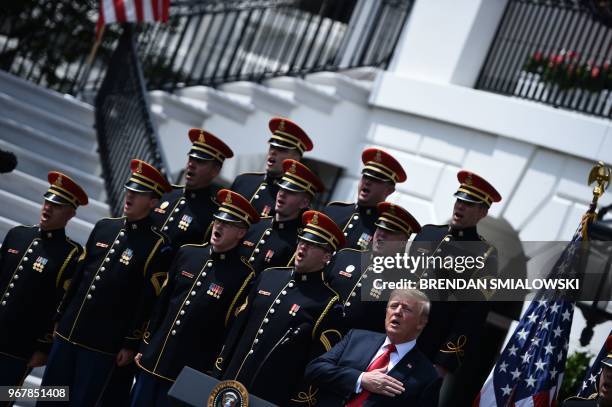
351,274
272,242
288,316
380,174
452,336
204,285
603,396
186,213
288,141
36,262
105,311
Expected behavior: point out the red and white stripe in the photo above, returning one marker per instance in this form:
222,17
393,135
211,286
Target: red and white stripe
486,397
136,11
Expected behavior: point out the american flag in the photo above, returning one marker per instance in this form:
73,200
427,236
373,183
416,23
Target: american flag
137,11
529,371
591,379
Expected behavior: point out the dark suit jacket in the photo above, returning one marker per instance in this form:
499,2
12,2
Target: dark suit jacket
336,373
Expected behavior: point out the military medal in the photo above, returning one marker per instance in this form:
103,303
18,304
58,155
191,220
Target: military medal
248,244
185,222
214,290
375,293
348,273
263,292
13,251
269,255
39,264
294,309
126,256
266,210
186,274
364,240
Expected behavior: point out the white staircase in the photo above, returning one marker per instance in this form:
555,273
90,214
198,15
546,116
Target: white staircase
47,131
332,108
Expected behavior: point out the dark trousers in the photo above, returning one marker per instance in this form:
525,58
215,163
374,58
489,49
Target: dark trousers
85,371
117,393
150,391
12,370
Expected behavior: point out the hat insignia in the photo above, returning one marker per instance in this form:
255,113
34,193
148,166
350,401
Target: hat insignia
378,157
292,168
468,180
58,181
202,139
281,125
139,168
228,198
315,219
392,209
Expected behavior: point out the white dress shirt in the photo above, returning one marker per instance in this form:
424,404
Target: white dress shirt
400,351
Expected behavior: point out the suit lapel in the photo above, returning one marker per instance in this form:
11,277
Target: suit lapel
405,366
369,349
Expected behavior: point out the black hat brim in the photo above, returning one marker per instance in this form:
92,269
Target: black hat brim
56,199
136,187
229,218
468,198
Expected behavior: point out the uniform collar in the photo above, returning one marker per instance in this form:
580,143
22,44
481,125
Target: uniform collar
314,277
288,225
232,253
470,233
141,224
52,234
197,193
366,210
270,179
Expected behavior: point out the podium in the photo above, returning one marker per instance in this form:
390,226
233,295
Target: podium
194,388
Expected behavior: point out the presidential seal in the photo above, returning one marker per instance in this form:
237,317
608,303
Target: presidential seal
228,393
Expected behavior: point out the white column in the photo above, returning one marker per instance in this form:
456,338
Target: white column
446,41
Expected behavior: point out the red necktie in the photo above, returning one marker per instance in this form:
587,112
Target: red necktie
378,363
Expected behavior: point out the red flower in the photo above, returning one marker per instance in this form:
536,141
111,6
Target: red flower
558,59
595,72
537,56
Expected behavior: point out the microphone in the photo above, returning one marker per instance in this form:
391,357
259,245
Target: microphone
291,333
294,333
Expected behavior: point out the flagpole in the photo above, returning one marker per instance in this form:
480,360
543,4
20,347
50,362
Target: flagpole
90,60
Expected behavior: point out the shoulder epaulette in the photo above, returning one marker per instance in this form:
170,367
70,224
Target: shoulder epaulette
195,244
111,218
591,397
344,203
24,227
252,173
350,249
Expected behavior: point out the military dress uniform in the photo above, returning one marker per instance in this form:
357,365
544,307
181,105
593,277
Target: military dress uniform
350,274
576,401
594,399
189,322
272,243
453,333
260,188
288,319
185,215
34,264
356,221
111,295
